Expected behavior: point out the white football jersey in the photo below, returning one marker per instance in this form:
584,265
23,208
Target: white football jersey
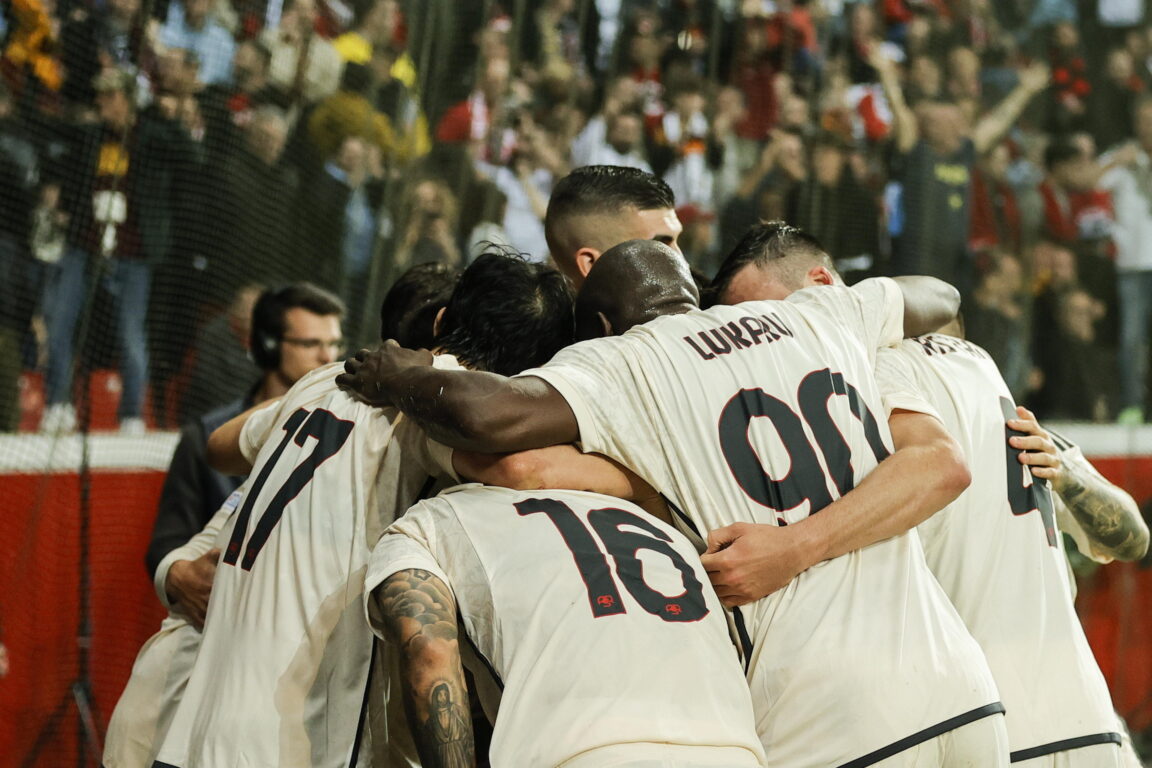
597,621
766,412
283,667
997,552
160,673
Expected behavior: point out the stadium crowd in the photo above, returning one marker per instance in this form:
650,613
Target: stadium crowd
162,159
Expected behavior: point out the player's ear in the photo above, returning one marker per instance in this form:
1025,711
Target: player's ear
605,323
436,322
821,275
586,259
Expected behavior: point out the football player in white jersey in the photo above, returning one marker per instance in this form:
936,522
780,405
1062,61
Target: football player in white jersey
860,660
597,665
995,550
282,673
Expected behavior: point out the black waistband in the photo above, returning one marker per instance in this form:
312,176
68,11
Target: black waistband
1064,745
931,732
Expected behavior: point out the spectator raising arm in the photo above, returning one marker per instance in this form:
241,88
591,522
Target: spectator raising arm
905,131
992,127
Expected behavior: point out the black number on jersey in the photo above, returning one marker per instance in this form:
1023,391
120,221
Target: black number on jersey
330,433
603,594
1026,492
806,480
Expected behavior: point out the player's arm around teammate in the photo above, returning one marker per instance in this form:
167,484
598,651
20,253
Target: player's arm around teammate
1107,514
418,614
926,472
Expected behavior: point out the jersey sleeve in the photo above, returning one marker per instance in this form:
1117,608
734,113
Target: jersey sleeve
590,377
873,308
257,429
408,544
899,389
198,545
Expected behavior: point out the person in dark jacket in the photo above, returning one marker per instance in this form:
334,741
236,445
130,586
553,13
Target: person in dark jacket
295,330
118,191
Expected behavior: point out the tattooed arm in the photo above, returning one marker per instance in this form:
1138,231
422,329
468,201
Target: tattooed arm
1109,517
419,617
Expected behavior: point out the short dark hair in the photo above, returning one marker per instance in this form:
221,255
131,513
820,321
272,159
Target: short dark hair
1061,150
269,317
507,314
608,188
409,310
768,244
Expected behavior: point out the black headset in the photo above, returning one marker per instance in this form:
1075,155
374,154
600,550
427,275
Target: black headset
268,328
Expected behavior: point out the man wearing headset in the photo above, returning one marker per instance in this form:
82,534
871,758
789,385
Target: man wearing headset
295,329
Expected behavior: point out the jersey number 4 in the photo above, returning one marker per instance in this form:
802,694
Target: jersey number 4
603,594
1026,492
330,434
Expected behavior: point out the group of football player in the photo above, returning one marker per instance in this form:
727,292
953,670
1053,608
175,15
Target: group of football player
595,514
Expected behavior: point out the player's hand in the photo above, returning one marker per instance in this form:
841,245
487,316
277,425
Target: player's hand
189,585
1040,453
368,373
748,561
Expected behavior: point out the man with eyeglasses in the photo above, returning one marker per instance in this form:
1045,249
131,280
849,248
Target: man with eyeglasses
295,330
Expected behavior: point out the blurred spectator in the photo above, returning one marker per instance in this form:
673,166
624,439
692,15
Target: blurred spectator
1069,107
926,82
836,208
222,345
428,226
1079,215
995,212
1073,388
20,288
765,188
297,329
192,26
1114,99
95,37
30,45
413,305
228,109
373,26
338,213
527,183
118,194
1131,190
933,167
684,151
488,232
622,142
479,120
698,240
303,63
394,95
349,112
995,320
254,220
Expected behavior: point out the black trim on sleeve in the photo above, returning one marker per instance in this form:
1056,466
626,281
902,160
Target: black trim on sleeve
1065,745
476,650
363,719
745,638
951,724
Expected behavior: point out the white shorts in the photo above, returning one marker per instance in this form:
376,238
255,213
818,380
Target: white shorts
646,755
979,744
1095,756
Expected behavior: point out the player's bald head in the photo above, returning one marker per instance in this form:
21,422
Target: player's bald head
634,282
772,260
598,206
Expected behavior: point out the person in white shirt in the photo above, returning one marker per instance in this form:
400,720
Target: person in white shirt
1001,531
1131,188
596,664
282,674
855,657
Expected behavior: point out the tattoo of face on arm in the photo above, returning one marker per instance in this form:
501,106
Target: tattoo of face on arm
1108,515
420,619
